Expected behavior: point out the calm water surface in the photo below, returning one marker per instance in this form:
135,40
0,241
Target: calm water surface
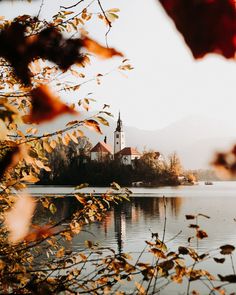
128,225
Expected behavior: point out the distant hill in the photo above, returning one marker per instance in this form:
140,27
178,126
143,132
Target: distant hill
195,139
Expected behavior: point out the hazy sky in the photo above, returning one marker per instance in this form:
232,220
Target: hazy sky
166,84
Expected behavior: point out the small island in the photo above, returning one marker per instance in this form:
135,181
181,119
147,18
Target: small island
100,165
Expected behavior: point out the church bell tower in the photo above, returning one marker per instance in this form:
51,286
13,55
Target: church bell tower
119,136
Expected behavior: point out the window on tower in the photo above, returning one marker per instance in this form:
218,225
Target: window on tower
117,135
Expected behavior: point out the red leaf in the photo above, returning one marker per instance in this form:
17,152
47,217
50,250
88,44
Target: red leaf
38,233
98,49
207,25
201,234
46,106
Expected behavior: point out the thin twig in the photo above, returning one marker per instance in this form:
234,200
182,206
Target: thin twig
232,263
40,8
107,20
72,6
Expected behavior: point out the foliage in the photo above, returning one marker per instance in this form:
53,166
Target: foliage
35,56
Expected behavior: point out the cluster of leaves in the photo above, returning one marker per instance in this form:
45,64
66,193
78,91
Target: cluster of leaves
36,260
34,56
20,49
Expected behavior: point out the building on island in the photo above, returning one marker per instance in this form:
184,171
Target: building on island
128,154
102,151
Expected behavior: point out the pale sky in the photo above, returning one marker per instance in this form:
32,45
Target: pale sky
167,84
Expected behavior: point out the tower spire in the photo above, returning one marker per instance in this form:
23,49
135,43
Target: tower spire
119,136
119,126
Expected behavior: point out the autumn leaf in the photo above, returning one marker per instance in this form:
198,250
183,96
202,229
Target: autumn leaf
158,253
49,44
94,47
183,250
193,226
30,178
17,223
188,217
228,278
40,232
201,234
46,106
227,249
102,121
140,288
60,253
93,125
167,265
219,260
207,26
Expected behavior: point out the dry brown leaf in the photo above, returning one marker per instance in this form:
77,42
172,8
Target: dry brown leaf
201,234
93,125
227,249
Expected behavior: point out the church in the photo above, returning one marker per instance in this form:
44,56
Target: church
102,151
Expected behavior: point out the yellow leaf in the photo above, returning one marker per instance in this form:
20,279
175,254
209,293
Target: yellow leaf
20,133
73,138
80,133
103,121
30,178
60,253
113,10
93,124
53,144
81,199
66,139
47,147
140,288
39,164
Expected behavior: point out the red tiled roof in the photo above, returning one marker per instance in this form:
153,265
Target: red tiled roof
129,151
101,147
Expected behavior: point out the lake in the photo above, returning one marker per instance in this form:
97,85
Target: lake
129,224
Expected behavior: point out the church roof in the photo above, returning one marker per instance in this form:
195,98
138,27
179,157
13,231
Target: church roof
101,147
129,151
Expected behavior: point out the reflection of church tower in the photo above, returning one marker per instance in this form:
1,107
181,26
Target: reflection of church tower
119,137
119,227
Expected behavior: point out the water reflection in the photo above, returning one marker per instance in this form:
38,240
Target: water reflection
127,225
136,210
